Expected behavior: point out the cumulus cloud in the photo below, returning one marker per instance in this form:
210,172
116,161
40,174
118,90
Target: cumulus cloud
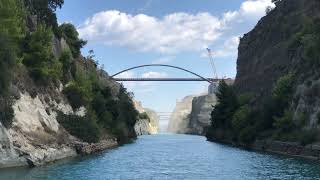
229,47
255,8
173,33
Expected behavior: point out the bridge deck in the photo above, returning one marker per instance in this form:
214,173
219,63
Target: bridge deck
166,79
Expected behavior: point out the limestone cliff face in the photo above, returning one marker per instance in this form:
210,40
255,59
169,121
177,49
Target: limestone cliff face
200,117
146,126
280,43
35,136
192,115
9,157
180,117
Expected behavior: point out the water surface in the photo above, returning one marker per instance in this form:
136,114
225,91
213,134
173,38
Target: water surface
166,156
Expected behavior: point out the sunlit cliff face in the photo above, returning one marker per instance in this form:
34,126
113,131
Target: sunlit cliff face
179,118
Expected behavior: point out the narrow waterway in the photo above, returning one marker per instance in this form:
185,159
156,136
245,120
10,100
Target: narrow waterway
173,157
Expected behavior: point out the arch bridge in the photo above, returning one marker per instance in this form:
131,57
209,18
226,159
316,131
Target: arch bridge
199,77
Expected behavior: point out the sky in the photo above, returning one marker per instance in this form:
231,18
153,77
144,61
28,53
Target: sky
127,33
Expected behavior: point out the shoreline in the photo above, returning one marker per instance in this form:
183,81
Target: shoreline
289,149
77,148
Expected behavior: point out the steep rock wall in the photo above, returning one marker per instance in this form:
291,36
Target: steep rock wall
146,126
200,117
273,49
192,115
179,119
35,134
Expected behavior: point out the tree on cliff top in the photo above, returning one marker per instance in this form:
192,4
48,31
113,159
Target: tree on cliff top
70,34
45,11
224,110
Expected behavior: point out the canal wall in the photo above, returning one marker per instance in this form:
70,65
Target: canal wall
192,114
311,151
180,117
146,126
292,149
36,137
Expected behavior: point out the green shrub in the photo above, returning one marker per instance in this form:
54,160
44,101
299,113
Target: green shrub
285,123
241,118
70,34
106,120
125,104
247,135
85,128
11,32
66,60
283,90
38,57
307,136
45,11
244,99
144,115
77,95
222,113
318,117
6,112
302,119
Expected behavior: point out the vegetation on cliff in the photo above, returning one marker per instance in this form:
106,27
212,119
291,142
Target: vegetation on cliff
29,33
235,118
11,34
278,64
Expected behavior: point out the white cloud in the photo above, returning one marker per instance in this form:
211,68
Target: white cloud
229,47
153,74
255,8
173,33
141,86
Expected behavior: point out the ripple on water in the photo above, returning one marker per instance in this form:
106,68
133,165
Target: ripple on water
170,156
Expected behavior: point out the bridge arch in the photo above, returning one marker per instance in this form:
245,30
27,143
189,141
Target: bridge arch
163,65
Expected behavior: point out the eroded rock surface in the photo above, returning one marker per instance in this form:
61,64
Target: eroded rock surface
146,126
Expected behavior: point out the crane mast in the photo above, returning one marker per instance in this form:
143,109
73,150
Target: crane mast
215,74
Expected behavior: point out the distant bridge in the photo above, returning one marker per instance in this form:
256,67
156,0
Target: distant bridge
167,79
200,78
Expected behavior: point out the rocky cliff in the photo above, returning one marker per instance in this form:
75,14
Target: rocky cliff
192,115
180,116
274,104
146,126
35,136
200,116
285,41
54,103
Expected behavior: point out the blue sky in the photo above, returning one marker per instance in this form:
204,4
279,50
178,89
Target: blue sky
125,33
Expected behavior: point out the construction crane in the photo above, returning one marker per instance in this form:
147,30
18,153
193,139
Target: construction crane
215,74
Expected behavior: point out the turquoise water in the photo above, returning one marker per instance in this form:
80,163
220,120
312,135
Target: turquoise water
162,157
